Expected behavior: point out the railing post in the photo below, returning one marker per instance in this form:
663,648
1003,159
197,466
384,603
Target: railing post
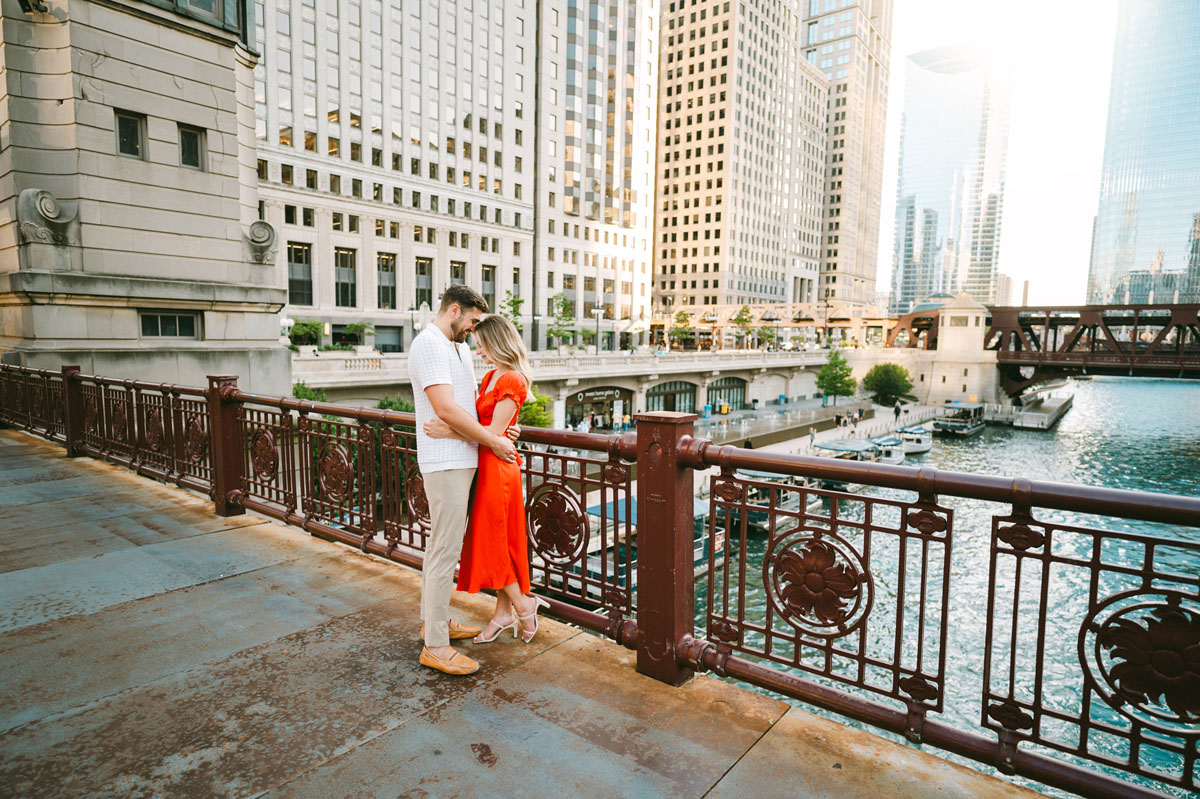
72,411
226,460
665,567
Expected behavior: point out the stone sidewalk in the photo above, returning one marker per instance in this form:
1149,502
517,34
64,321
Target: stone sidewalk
152,649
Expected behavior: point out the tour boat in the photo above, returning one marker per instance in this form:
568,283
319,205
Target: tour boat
916,439
960,418
848,449
889,449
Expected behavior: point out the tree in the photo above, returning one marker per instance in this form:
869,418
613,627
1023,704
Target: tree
359,330
681,329
306,332
510,309
538,410
395,404
766,334
306,392
743,320
889,381
562,318
835,377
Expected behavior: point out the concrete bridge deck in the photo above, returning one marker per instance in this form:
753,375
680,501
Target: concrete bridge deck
149,648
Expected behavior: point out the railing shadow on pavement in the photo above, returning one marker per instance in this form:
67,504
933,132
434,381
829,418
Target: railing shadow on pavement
857,588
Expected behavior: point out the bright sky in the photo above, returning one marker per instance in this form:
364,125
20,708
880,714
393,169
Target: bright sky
1060,56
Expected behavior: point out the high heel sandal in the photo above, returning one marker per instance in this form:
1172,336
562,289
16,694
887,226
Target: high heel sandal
527,635
514,624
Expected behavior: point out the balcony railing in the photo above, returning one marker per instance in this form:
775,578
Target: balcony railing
1088,652
347,368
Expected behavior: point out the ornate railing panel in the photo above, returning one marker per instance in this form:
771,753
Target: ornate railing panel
581,556
120,429
337,469
402,491
268,457
191,444
857,588
1126,609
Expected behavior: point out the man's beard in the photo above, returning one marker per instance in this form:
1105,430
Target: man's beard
459,332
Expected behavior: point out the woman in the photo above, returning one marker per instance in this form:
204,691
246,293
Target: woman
495,550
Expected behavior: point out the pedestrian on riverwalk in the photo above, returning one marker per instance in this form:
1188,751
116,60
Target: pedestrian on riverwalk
896,410
812,437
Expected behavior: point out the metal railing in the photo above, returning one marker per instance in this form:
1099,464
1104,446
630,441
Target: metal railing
1090,634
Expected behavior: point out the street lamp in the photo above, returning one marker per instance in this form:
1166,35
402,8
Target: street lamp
597,312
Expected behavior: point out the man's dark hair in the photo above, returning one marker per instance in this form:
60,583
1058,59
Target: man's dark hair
463,296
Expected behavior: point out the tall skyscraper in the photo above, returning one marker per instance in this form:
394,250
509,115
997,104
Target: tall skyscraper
407,145
740,157
597,104
1150,183
850,41
950,191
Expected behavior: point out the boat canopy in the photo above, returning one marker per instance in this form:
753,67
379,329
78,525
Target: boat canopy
848,445
959,405
614,511
617,514
915,430
887,441
754,474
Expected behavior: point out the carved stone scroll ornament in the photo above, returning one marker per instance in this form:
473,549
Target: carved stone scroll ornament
46,228
260,239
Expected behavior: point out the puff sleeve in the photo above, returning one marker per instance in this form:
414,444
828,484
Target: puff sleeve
512,385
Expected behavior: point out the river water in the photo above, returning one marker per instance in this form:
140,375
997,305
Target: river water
1121,433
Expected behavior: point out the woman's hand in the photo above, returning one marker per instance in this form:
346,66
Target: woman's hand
436,428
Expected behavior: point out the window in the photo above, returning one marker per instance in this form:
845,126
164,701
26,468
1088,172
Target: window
169,325
309,217
335,220
353,220
310,178
335,184
285,174
191,147
345,280
458,272
262,169
386,263
424,295
299,273
289,214
131,134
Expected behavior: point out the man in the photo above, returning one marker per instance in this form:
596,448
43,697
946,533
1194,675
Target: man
442,372
896,410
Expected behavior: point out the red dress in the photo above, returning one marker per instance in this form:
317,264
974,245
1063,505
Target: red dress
495,551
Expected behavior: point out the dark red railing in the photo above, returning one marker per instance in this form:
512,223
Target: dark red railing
1090,635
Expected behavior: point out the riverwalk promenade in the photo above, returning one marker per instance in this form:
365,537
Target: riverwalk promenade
149,648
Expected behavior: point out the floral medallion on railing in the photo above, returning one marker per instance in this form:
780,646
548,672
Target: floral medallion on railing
264,458
91,415
927,521
120,425
817,582
334,473
414,495
558,527
155,435
1141,651
195,440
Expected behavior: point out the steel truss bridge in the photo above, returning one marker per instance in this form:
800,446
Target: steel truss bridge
1034,345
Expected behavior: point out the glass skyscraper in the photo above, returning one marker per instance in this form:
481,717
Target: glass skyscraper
950,191
1150,184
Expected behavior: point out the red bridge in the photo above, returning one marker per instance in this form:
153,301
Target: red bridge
1034,345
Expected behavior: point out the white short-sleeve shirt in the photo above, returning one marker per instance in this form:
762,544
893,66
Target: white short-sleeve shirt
433,360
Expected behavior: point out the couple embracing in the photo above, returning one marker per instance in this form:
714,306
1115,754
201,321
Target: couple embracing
463,442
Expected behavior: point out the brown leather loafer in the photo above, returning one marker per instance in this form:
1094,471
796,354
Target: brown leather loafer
458,663
459,631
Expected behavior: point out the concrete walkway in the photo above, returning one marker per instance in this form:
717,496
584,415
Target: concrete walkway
151,649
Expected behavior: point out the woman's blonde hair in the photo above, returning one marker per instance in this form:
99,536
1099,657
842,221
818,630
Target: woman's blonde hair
503,343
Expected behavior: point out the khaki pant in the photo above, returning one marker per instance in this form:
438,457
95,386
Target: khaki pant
449,495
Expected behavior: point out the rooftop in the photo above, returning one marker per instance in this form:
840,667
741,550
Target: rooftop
151,648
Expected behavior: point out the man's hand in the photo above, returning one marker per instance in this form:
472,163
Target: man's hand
503,449
436,428
513,432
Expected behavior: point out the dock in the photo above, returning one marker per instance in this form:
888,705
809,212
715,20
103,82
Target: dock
152,648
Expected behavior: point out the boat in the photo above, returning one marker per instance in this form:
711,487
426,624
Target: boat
889,449
960,418
916,439
847,449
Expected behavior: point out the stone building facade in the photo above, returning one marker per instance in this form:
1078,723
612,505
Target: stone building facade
129,235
